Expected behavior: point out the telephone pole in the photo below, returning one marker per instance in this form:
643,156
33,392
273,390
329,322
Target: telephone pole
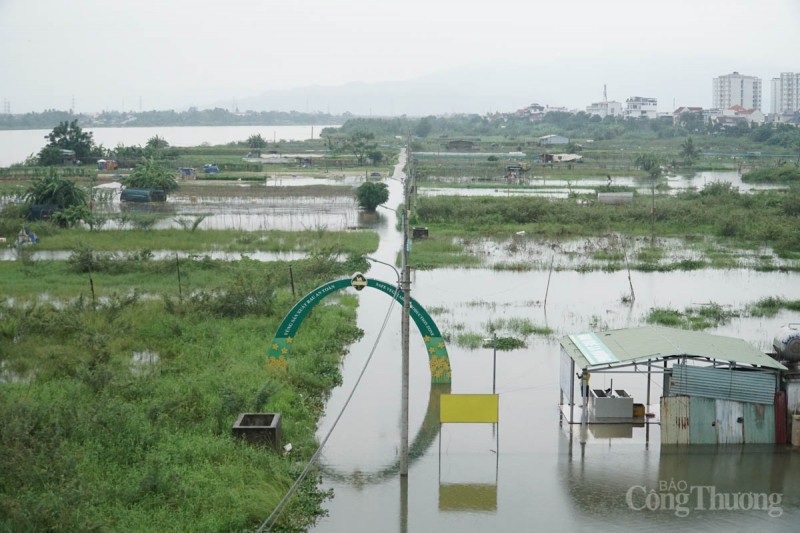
405,285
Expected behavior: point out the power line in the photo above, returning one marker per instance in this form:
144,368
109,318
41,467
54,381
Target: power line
272,518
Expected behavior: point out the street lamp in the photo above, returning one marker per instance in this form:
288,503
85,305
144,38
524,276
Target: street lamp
396,272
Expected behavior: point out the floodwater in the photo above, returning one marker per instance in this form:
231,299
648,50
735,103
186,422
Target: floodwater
560,187
530,472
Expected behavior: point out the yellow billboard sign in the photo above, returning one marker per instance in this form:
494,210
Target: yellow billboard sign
469,408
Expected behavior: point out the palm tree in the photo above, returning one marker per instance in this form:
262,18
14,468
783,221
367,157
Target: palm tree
149,175
689,152
53,189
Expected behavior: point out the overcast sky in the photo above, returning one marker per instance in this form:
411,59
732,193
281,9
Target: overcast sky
109,54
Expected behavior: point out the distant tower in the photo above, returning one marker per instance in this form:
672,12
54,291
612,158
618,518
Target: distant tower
6,106
605,94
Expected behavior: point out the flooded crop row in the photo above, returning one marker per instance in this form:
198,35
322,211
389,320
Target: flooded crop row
554,186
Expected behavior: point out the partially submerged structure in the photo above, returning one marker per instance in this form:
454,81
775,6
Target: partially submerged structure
716,390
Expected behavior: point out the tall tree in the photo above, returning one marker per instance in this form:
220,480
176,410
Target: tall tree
689,152
371,194
361,143
157,143
256,143
66,136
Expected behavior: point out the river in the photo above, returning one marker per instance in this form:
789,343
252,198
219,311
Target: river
17,145
530,472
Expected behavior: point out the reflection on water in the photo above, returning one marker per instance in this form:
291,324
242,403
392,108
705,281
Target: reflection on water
708,488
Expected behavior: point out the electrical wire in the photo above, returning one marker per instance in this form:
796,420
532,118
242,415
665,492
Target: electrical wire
273,517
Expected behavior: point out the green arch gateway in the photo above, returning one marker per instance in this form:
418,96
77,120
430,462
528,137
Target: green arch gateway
281,346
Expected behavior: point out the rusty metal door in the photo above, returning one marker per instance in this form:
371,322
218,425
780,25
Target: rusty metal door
675,420
702,420
730,422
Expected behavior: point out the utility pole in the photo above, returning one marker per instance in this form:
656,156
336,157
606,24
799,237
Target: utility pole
405,285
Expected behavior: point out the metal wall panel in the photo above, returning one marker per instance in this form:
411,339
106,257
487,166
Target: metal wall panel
723,384
759,423
675,420
702,421
730,421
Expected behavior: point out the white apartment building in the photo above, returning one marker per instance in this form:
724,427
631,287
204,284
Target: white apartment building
605,109
785,93
640,107
736,89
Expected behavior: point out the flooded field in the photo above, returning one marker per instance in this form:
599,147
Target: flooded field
554,186
530,472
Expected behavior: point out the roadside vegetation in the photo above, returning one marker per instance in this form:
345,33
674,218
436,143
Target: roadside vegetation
118,391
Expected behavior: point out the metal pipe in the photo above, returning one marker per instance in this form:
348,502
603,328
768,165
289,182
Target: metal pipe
494,362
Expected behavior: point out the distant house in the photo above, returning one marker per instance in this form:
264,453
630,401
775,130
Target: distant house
534,112
753,116
681,115
605,109
460,144
737,113
641,107
549,140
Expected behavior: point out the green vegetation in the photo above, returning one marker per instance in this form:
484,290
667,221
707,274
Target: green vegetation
67,136
772,305
689,152
54,190
520,326
118,394
256,143
770,217
703,317
438,252
650,163
371,194
150,175
785,173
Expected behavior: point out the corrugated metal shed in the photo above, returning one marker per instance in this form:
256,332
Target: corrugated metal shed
691,420
632,345
723,384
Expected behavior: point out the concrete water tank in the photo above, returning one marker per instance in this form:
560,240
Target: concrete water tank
787,342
